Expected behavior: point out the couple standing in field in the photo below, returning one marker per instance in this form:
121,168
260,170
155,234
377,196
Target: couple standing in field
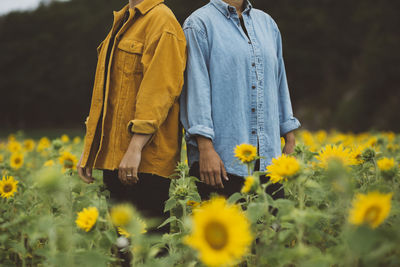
234,91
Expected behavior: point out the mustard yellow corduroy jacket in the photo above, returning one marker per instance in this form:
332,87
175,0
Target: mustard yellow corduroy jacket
142,88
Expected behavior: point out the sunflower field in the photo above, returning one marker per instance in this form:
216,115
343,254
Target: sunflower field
342,208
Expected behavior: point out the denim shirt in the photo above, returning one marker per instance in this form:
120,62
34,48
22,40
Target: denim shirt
235,89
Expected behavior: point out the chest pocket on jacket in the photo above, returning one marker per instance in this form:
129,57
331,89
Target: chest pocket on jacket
129,56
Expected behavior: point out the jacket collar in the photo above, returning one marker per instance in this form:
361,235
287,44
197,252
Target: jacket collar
143,8
227,10
118,15
148,5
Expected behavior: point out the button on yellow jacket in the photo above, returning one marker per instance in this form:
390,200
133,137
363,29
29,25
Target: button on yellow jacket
144,81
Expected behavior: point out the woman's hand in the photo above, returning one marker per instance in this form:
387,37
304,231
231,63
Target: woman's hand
212,168
84,173
290,143
129,166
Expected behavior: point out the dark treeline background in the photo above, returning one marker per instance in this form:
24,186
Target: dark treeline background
342,61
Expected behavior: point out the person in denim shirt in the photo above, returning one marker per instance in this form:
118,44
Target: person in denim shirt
235,92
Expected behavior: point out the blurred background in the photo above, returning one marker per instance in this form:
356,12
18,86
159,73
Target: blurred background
342,60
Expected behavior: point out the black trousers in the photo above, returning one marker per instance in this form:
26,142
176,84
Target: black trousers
232,186
148,196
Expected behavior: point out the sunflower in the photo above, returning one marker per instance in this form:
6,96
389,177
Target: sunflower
122,215
386,164
122,231
193,204
1,158
333,153
49,163
16,160
309,141
68,161
321,136
8,187
87,218
44,143
11,138
372,142
356,153
29,145
14,146
390,136
248,184
371,209
283,142
246,153
282,168
65,138
393,147
219,241
76,140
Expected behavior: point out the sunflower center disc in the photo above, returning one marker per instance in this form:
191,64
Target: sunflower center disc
216,235
372,214
69,164
7,188
247,153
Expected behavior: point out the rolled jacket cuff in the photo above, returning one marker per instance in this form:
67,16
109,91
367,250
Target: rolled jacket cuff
289,125
142,126
201,130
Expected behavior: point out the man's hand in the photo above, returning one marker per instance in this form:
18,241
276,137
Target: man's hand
290,143
84,173
211,166
129,166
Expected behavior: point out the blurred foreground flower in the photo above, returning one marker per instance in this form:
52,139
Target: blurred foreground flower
331,153
371,209
221,233
87,218
122,215
282,168
8,187
122,231
246,153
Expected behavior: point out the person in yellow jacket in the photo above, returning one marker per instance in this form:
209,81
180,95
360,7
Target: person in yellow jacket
133,132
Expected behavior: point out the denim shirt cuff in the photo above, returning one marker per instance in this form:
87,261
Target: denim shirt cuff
201,130
289,125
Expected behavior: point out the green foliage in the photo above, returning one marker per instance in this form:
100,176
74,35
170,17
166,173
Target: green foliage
311,226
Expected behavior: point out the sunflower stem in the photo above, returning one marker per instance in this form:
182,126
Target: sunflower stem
301,197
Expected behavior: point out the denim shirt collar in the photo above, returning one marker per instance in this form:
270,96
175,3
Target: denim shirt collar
227,10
